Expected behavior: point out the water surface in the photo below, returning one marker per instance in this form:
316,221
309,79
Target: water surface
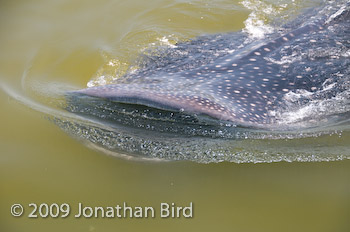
50,47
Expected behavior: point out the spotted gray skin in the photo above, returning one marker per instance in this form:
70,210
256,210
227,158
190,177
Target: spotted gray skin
239,81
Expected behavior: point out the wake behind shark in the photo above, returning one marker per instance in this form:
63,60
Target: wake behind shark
230,79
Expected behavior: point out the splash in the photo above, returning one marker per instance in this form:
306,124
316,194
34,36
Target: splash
256,23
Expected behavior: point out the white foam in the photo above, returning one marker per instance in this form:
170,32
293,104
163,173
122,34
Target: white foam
255,24
165,41
336,14
315,110
101,80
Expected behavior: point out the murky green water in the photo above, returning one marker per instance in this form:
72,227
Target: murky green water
59,44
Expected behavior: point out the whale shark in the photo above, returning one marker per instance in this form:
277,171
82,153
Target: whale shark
244,85
247,83
228,96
